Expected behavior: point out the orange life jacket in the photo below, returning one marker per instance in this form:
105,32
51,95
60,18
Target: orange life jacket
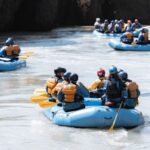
51,83
16,49
69,92
132,87
129,35
9,50
60,85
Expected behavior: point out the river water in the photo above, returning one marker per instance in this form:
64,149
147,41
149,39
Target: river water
23,125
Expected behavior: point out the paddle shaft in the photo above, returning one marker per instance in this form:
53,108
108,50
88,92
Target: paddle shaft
113,124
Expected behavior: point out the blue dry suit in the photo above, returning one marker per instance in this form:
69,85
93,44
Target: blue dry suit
128,28
71,97
114,90
111,27
136,26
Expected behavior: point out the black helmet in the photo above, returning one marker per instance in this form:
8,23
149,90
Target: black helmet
123,75
67,76
9,41
59,70
74,77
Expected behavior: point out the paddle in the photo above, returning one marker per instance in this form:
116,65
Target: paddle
40,92
22,57
5,59
27,53
37,99
47,104
113,124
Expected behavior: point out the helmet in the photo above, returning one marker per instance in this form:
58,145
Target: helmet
144,30
74,77
113,70
59,70
97,19
106,21
112,21
9,41
101,72
121,20
123,75
116,21
136,20
67,76
129,21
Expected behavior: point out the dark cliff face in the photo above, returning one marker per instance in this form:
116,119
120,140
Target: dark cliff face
132,9
46,14
8,10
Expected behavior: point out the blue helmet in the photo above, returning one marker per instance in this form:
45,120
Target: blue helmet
67,76
9,41
123,75
113,70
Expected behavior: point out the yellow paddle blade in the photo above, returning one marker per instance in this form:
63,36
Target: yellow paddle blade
22,57
46,104
40,92
28,52
37,99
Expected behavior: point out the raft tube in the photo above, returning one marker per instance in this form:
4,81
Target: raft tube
135,33
118,45
95,32
95,117
9,66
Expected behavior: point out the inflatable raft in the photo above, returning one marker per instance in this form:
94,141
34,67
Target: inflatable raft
95,32
8,66
118,45
94,117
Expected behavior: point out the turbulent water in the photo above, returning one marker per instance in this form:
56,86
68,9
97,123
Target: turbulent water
23,125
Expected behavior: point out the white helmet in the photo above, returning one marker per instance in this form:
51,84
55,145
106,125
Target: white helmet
98,19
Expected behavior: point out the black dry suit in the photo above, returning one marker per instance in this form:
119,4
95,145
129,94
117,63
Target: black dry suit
114,88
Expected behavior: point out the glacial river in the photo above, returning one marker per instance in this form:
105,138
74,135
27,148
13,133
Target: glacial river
23,125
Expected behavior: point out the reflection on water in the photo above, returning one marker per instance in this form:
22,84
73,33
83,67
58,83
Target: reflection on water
22,124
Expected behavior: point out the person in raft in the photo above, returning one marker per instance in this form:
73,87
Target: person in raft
114,89
136,25
71,95
127,37
143,37
59,85
97,24
10,50
53,81
97,85
132,91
